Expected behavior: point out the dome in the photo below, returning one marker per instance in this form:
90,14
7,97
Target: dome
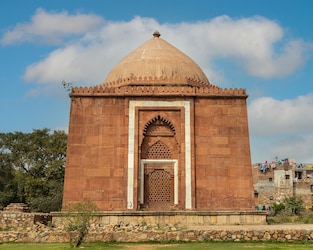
156,59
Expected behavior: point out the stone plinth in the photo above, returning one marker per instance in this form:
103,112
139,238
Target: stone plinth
177,218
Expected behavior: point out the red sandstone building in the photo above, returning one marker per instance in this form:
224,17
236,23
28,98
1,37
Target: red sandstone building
157,135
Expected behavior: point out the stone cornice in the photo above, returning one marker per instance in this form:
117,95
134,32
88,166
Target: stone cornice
158,90
144,86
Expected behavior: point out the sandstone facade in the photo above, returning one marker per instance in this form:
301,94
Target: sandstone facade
157,135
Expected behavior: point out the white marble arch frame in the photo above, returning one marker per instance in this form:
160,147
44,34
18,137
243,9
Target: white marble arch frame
131,146
161,161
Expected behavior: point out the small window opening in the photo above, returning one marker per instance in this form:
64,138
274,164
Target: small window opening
287,176
298,175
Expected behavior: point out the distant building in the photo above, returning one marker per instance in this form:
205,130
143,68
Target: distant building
274,181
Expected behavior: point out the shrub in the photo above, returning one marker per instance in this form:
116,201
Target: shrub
277,208
79,216
293,205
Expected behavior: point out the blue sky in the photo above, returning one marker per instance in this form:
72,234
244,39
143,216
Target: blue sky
263,46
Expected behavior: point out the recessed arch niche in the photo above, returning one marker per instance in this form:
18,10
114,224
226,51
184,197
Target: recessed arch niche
159,165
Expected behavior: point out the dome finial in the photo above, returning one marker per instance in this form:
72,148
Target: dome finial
156,34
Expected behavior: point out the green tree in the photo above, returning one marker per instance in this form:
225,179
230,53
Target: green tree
34,163
293,205
7,188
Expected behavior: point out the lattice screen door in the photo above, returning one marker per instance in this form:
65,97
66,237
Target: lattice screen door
159,187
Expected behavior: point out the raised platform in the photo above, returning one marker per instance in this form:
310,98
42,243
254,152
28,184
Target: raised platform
181,218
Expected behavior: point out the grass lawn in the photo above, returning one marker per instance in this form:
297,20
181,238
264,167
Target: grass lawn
156,246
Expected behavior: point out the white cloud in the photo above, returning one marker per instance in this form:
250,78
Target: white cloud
281,128
88,60
257,44
296,146
51,27
268,116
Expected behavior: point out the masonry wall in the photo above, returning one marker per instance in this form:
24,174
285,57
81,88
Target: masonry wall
222,154
303,189
116,230
278,182
271,185
96,156
140,234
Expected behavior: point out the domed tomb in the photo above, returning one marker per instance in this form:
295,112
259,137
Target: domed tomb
158,136
158,60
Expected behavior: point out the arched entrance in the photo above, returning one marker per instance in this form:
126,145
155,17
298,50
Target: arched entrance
158,166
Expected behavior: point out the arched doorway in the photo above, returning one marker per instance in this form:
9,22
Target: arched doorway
159,166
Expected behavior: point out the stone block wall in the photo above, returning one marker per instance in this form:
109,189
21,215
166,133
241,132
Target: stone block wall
143,232
17,216
26,227
23,220
222,155
97,153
